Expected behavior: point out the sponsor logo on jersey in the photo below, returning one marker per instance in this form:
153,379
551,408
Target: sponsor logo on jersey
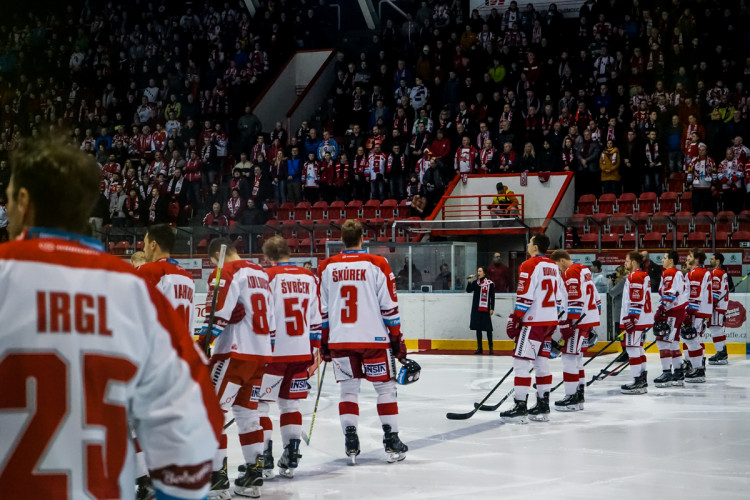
298,385
523,275
376,370
186,477
271,387
635,294
255,395
379,339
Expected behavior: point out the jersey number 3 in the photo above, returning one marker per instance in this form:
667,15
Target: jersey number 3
349,309
103,460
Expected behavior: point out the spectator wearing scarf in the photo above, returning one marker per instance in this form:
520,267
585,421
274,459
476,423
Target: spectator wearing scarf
482,307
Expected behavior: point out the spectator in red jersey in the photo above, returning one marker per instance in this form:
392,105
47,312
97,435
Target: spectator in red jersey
215,218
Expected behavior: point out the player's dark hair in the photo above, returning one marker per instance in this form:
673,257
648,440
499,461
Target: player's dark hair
559,255
215,246
276,249
597,263
62,181
541,241
699,255
499,186
636,257
163,235
351,233
720,257
674,256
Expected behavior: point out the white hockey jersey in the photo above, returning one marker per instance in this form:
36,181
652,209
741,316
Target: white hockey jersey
672,289
583,298
297,312
244,309
636,300
175,283
96,347
358,300
700,303
539,292
720,290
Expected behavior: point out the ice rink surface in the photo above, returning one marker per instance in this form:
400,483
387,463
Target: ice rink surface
672,443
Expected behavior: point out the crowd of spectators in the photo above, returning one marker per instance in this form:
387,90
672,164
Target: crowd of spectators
622,95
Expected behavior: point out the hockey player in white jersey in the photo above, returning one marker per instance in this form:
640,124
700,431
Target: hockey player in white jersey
699,310
668,320
636,316
720,292
298,325
532,323
82,341
243,328
361,336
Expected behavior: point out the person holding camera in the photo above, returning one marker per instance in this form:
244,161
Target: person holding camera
482,307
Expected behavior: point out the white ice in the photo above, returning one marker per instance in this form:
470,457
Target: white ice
672,443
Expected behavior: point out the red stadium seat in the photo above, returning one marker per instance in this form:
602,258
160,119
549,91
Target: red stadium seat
610,240
121,247
403,209
389,209
628,240
669,239
676,182
626,203
370,210
703,221
684,220
590,240
740,237
725,221
660,222
305,246
743,221
653,240
696,239
606,203
686,202
618,223
286,211
587,204
668,202
354,209
318,211
580,221
302,210
647,202
721,238
293,244
273,209
642,220
599,223
288,228
337,210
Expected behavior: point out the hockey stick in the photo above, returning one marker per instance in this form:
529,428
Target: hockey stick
621,368
734,287
307,437
589,361
464,416
212,312
604,370
496,406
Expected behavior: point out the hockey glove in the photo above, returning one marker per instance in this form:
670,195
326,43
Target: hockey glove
513,328
629,324
398,348
661,314
566,329
325,352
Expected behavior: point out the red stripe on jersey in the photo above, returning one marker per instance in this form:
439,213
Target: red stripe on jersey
547,379
388,409
291,359
346,407
251,437
522,381
358,345
294,418
569,377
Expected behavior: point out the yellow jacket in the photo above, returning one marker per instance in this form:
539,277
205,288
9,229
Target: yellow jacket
609,163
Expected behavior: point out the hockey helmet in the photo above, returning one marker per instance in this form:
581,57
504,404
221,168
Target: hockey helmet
544,176
592,339
661,329
409,372
688,332
554,349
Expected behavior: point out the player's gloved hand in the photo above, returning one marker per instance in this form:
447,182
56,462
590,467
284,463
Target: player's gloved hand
398,348
566,329
215,331
513,328
325,353
661,313
629,324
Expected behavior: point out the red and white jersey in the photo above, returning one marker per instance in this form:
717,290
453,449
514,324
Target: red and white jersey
636,300
583,298
295,293
741,153
486,155
464,159
422,165
244,308
176,284
159,140
101,348
731,174
358,300
376,164
700,303
720,290
540,290
702,173
672,289
109,169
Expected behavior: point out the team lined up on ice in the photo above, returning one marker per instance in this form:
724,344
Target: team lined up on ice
548,287
268,327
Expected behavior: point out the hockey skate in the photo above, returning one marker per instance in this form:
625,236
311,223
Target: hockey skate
289,459
268,462
678,378
638,386
248,485
145,489
351,443
720,358
571,402
664,380
395,450
697,376
581,393
220,484
540,413
516,415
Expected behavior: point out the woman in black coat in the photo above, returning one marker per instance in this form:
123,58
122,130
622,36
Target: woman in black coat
482,307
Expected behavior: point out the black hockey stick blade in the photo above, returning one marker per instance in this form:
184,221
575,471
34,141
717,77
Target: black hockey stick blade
494,407
465,416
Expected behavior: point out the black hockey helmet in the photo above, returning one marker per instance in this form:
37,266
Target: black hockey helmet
661,329
592,339
688,332
409,372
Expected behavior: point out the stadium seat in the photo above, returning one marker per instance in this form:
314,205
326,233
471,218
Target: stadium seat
722,239
140,245
676,182
606,203
581,222
587,204
111,247
370,210
660,222
668,202
273,209
288,228
305,246
590,240
628,240
669,239
121,247
320,244
293,244
202,246
354,209
403,209
598,223
647,202
725,221
686,202
653,240
618,223
683,221
740,237
703,221
318,211
610,240
626,203
641,219
286,211
302,210
696,239
389,209
337,210
743,221
240,245
401,239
